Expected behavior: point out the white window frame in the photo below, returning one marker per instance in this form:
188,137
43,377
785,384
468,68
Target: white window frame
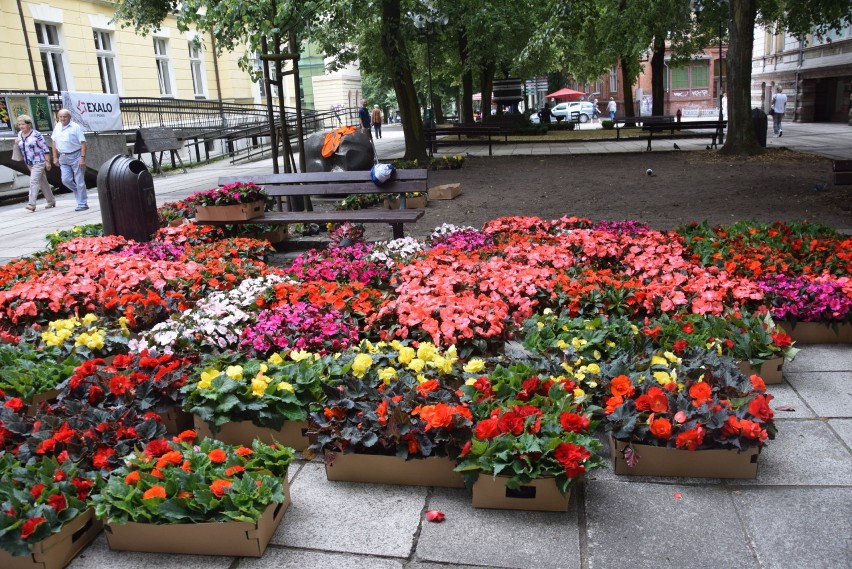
613,79
106,60
165,73
52,57
196,68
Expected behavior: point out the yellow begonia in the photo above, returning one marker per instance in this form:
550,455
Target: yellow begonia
258,387
427,351
89,318
579,393
567,367
594,368
539,325
95,342
361,364
263,368
300,355
596,354
234,372
122,321
659,361
416,365
421,378
561,344
663,377
387,374
610,344
470,381
406,354
578,343
475,365
284,386
671,357
207,377
276,359
442,364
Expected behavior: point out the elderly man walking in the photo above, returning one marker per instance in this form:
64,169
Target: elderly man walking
69,153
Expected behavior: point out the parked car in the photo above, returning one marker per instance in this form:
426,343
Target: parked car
585,108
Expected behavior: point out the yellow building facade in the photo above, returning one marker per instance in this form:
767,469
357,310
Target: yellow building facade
74,45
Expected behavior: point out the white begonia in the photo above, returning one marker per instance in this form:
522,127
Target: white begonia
448,228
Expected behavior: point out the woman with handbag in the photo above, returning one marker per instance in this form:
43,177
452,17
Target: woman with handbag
35,152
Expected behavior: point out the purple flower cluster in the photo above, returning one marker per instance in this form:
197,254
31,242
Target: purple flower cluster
808,298
154,250
627,227
465,239
342,264
300,326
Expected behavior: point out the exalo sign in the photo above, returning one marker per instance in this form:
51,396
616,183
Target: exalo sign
95,112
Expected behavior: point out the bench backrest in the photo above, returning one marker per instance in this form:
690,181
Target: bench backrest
155,139
326,183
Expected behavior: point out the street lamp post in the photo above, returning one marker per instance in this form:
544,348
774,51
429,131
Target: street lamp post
426,26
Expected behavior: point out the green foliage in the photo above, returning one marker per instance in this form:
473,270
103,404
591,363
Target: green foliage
27,370
607,124
90,230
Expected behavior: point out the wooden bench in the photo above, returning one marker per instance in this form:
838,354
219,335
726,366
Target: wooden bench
717,126
634,123
466,130
158,139
335,183
842,170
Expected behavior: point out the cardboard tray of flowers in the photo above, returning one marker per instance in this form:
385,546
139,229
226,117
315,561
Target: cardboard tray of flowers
377,469
235,212
57,551
663,461
241,539
770,370
291,434
539,495
818,332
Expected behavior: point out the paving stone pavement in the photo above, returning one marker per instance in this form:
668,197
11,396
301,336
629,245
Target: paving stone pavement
797,514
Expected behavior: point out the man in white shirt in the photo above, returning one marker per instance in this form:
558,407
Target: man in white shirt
610,108
779,105
69,153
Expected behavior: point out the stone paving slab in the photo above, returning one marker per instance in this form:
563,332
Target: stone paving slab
498,538
98,555
796,528
828,393
783,395
279,558
804,453
634,526
821,357
843,427
349,516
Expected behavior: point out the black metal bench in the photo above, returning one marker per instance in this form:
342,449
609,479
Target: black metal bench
717,126
842,172
335,183
473,135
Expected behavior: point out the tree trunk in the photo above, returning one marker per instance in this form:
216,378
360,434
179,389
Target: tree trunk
658,76
393,46
627,87
466,99
486,84
741,136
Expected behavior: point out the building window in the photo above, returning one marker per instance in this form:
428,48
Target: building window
680,77
700,75
106,61
197,66
613,79
164,73
51,56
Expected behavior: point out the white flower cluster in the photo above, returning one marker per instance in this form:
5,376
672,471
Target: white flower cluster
216,322
448,229
389,252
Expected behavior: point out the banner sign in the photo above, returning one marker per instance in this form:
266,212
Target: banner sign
95,112
37,107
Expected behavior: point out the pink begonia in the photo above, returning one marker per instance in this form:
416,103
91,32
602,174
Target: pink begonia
808,298
300,327
342,264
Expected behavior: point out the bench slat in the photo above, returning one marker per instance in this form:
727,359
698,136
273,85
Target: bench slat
322,177
355,216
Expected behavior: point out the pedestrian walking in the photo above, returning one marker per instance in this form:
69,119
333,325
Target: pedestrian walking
611,108
364,116
778,106
376,117
69,153
596,112
36,154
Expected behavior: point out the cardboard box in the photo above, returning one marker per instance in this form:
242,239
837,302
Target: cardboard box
39,398
232,539
57,551
540,495
818,333
445,192
292,433
770,370
277,235
176,420
379,469
663,461
410,203
237,212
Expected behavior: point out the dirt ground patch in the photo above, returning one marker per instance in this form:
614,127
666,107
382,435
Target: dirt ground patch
684,187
